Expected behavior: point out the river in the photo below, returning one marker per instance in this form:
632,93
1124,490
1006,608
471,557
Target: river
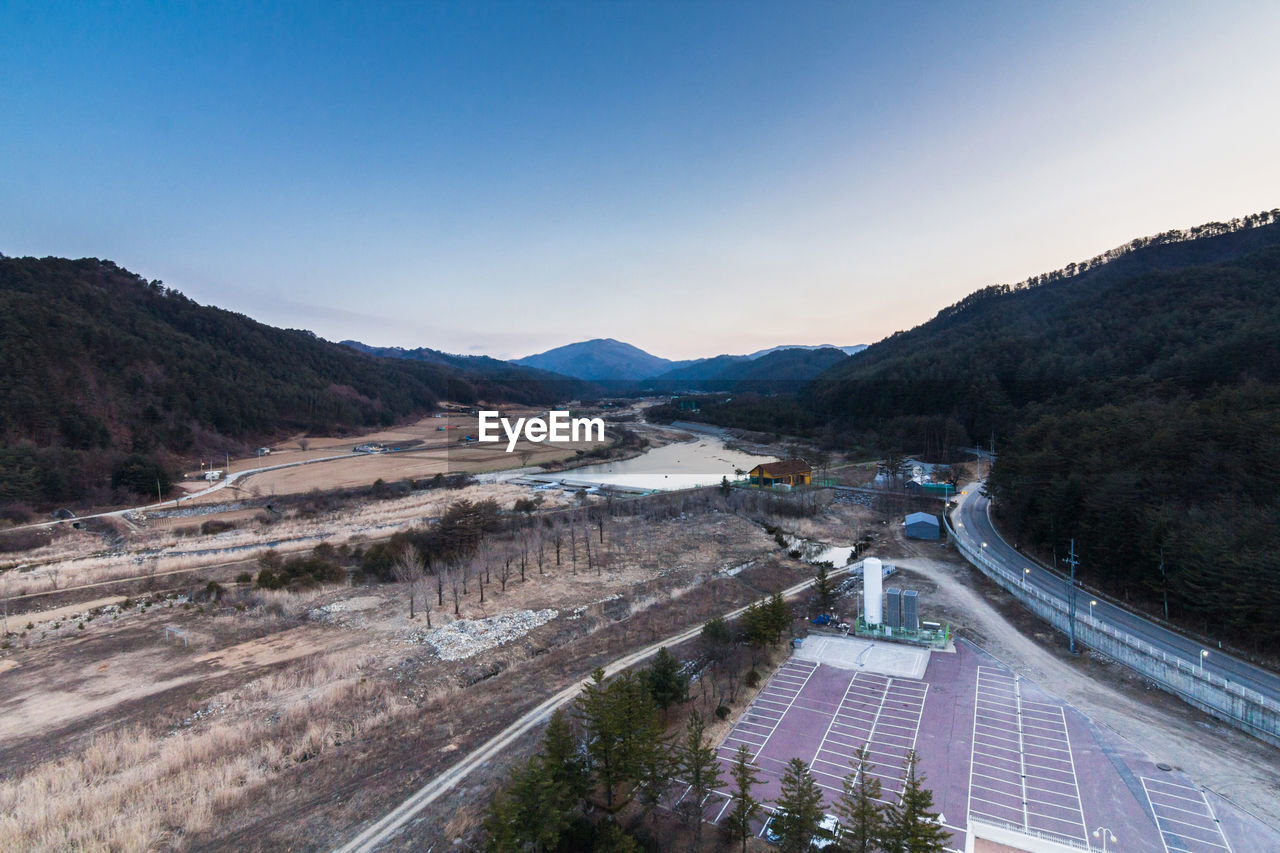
684,465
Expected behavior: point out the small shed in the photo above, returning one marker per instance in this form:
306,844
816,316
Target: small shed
922,525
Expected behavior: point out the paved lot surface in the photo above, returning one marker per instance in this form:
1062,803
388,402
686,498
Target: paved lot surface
993,747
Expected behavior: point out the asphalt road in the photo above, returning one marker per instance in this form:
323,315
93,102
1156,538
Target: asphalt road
972,521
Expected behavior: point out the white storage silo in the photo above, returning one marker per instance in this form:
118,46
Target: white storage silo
873,606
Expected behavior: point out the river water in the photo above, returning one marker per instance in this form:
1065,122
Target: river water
701,462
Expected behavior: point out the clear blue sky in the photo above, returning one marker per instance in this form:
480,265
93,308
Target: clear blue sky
694,178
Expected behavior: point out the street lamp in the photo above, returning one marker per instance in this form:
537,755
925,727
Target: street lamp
1204,653
1104,834
1025,573
1092,602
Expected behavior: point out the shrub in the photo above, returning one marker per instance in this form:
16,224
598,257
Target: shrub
300,573
723,712
142,476
753,678
217,526
244,577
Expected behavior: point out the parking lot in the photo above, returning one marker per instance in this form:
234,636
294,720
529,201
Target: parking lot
1022,771
823,714
1186,820
1007,761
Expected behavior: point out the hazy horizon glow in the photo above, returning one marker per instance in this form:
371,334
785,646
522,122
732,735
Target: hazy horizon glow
503,178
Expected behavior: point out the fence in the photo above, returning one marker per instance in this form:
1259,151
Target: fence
1241,706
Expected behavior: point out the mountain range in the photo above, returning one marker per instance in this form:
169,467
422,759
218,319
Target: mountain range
609,360
619,366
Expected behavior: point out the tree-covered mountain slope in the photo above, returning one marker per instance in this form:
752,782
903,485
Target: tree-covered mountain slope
97,364
783,370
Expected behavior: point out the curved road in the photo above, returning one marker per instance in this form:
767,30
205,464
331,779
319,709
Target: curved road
972,521
170,504
385,828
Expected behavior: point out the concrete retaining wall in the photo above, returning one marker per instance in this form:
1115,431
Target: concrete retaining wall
1240,706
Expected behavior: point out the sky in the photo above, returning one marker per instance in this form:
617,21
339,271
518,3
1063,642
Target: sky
692,178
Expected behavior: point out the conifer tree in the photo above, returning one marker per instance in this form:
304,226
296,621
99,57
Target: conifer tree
861,817
622,727
697,767
564,761
779,616
543,796
798,818
910,826
528,814
667,684
745,807
824,589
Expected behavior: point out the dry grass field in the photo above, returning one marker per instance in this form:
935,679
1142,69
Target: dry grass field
167,722
430,447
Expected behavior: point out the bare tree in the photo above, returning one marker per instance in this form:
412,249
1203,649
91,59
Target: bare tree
573,542
454,578
504,571
557,539
480,565
541,554
523,539
408,569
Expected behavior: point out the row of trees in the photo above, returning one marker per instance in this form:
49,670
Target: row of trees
613,752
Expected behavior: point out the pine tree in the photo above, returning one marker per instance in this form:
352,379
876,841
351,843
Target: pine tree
667,684
657,774
824,590
796,822
622,726
780,615
698,767
528,813
757,623
564,761
745,807
611,838
861,817
910,826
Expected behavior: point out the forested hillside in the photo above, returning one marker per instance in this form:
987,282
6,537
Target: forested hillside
1135,407
99,365
784,370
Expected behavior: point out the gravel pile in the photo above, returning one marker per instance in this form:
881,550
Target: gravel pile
468,637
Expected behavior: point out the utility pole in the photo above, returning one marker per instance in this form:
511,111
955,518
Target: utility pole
1164,582
1071,600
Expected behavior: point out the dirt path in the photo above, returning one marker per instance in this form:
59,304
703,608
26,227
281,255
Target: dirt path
38,616
389,825
1242,769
